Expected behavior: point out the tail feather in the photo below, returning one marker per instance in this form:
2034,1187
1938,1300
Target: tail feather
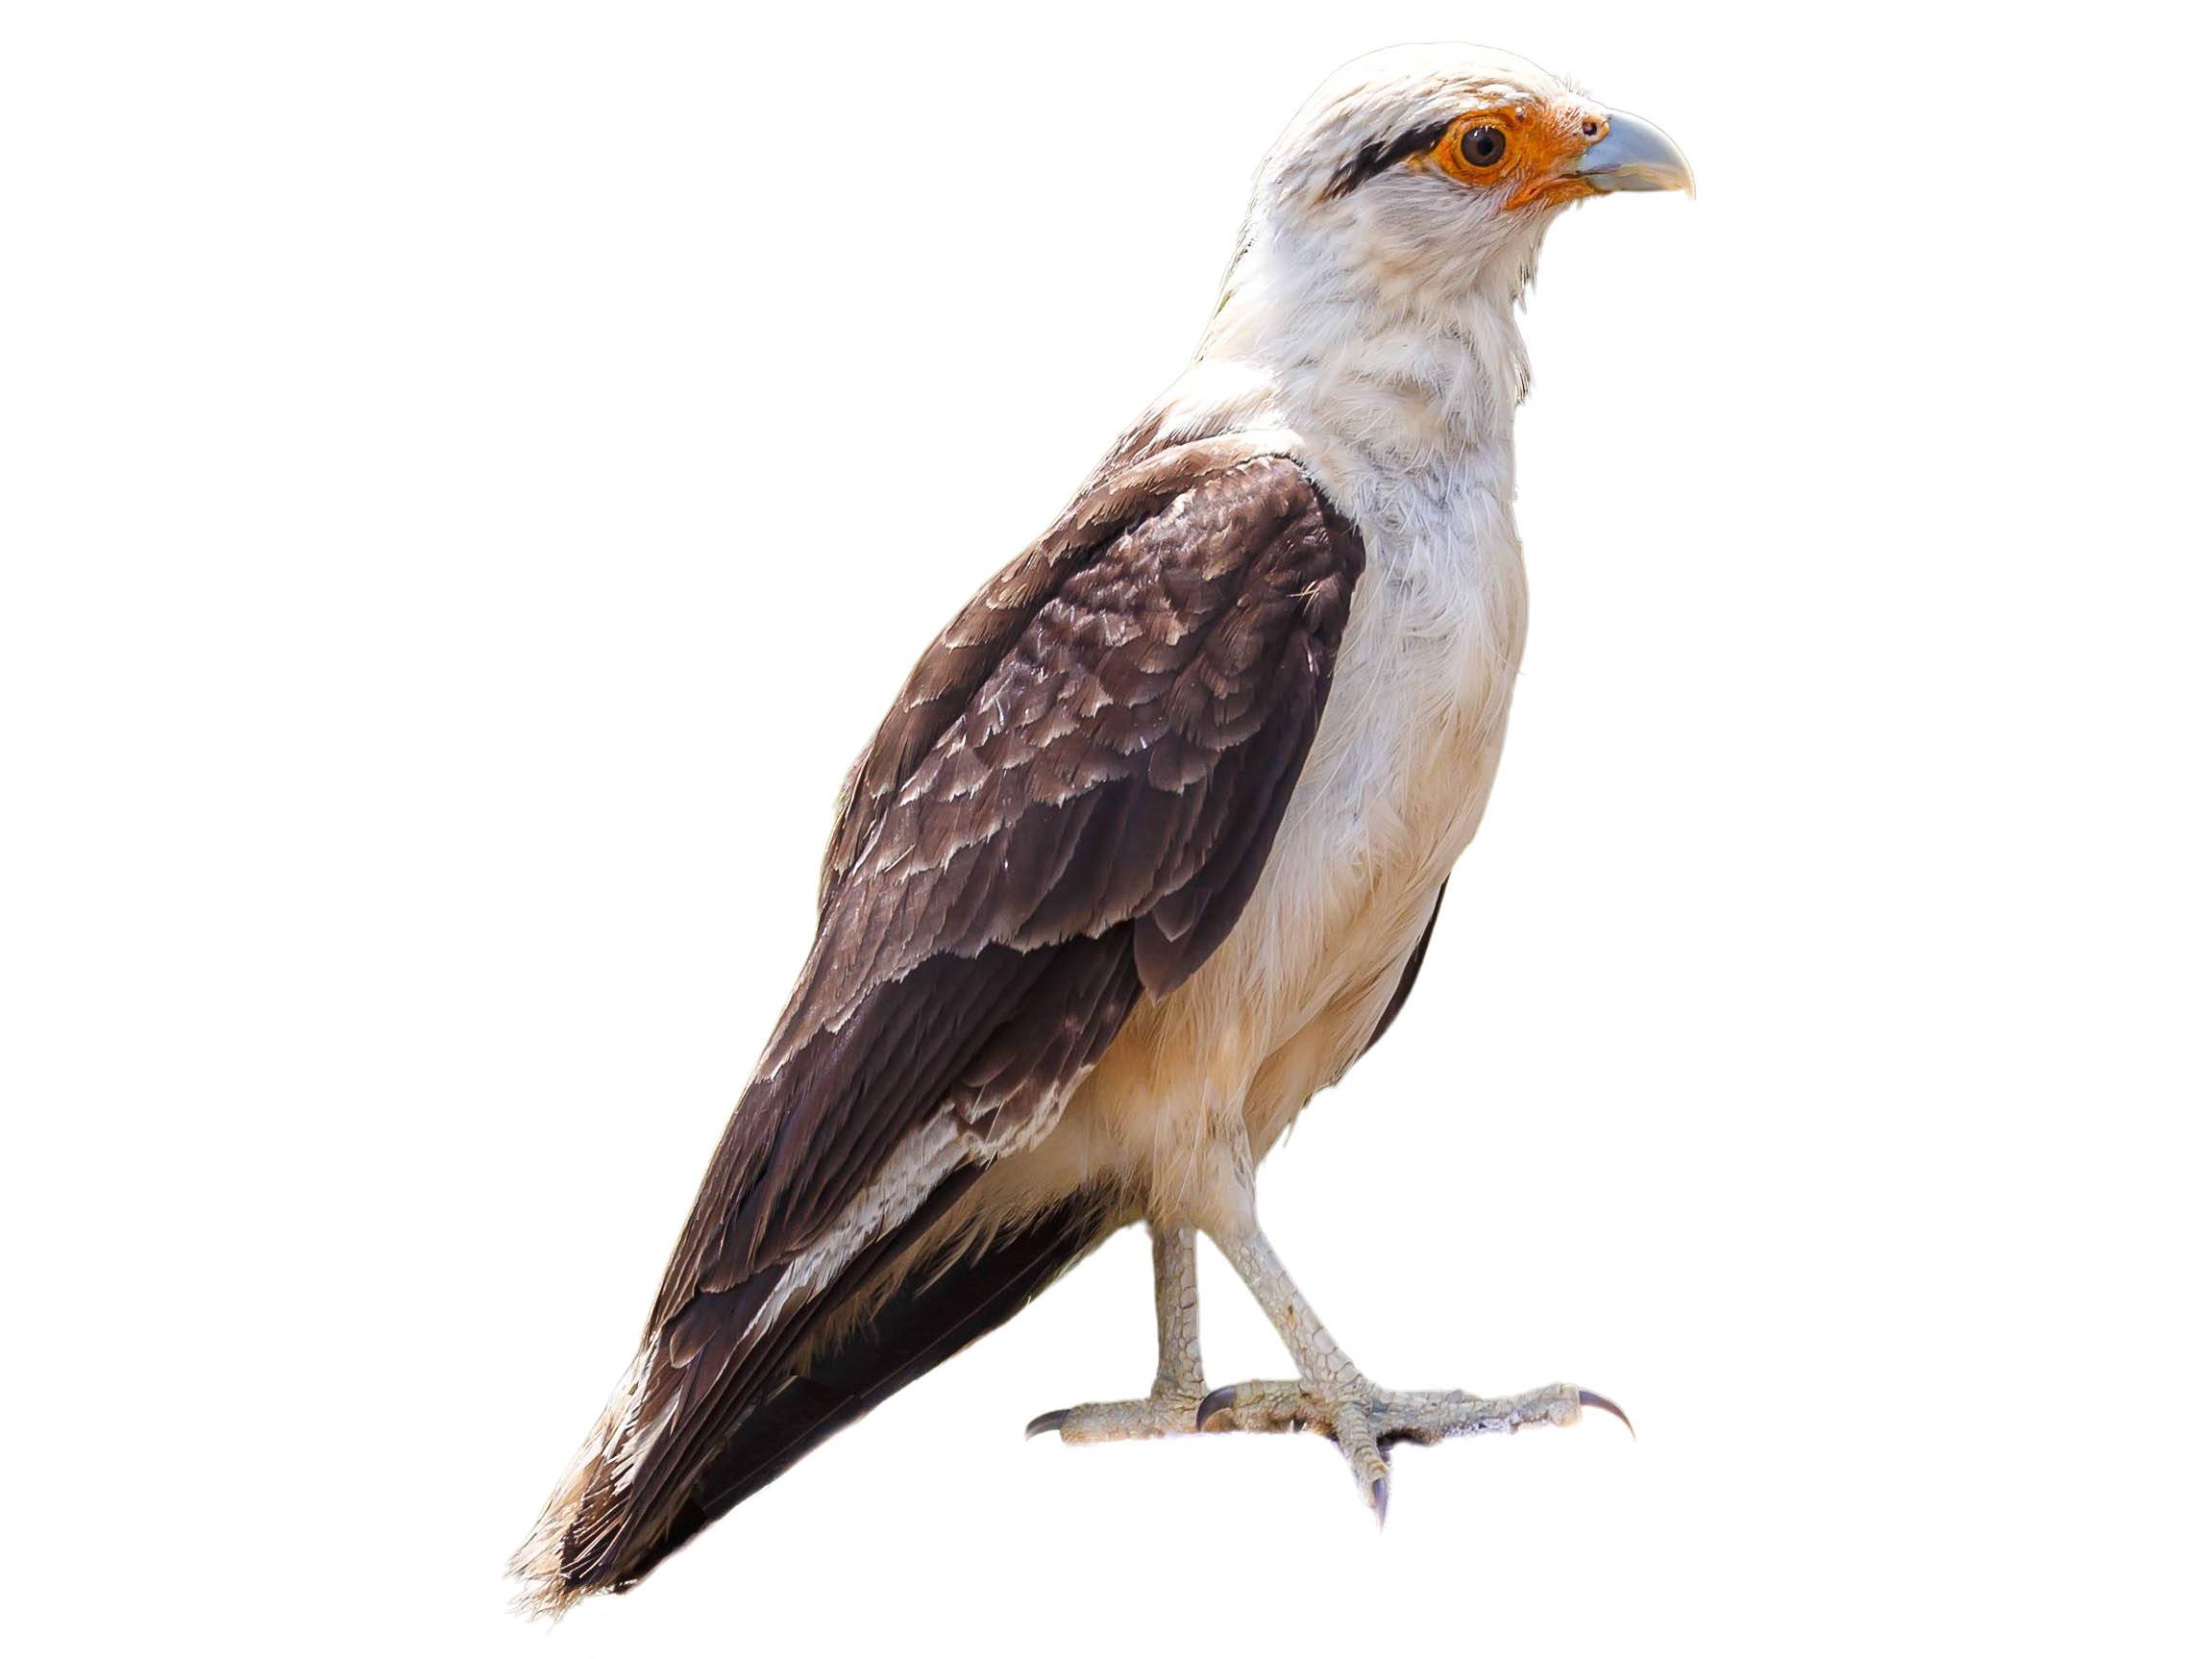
592,1537
588,1485
934,1316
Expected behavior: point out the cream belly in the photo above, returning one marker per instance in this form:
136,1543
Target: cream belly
1389,796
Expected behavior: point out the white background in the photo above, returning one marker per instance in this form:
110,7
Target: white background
471,474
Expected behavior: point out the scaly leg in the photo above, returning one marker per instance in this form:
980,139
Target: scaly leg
1332,1397
1171,1407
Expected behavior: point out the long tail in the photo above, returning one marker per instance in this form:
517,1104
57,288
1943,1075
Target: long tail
589,1538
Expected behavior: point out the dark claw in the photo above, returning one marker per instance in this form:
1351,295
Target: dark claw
1603,1404
1220,1400
1045,1424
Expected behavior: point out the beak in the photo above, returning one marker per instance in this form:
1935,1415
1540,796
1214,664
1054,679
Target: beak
1633,154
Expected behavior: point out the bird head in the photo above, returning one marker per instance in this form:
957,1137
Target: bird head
1423,176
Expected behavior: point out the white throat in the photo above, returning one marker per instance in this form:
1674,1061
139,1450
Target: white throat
1400,398
1402,372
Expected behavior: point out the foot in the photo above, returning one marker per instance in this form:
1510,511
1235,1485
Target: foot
1365,1421
1172,1405
1163,1411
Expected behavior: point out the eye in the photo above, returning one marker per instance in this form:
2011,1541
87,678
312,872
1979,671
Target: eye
1482,146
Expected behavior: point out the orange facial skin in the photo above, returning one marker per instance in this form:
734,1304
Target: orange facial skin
1543,141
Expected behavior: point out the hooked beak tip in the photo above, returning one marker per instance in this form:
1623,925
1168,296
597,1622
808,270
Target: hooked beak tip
1633,154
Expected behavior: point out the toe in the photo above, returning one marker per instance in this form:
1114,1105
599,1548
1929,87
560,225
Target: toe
1353,1429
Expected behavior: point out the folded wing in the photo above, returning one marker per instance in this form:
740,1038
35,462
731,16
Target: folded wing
1066,809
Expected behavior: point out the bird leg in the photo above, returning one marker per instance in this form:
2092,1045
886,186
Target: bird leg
1330,1396
1333,1397
1171,1407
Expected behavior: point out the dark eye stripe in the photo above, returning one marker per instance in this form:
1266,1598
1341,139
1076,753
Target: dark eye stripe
1384,153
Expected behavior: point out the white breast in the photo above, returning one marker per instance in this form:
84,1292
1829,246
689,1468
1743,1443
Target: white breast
1390,794
1409,434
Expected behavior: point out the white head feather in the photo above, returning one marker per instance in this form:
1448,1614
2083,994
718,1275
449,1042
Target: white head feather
1370,305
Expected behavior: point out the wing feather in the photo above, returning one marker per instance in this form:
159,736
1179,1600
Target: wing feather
1144,726
1066,808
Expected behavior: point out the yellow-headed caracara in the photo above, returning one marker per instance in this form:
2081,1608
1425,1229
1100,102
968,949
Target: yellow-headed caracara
1150,847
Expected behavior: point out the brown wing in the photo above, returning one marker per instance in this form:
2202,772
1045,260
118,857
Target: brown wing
1098,749
1067,806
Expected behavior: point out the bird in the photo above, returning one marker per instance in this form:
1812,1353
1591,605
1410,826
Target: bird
1150,847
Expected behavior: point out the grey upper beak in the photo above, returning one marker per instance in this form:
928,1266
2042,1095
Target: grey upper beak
1633,154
